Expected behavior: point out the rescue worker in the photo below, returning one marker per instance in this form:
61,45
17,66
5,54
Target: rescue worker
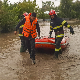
29,31
57,24
23,46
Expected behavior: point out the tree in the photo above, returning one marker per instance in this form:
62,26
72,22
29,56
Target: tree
76,9
65,8
10,14
8,17
47,6
27,6
41,14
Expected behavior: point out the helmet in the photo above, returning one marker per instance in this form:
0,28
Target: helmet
30,14
52,12
25,14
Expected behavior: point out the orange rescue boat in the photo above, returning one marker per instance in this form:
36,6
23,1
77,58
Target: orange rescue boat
49,43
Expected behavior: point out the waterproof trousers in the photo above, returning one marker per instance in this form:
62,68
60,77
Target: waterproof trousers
30,42
23,44
58,46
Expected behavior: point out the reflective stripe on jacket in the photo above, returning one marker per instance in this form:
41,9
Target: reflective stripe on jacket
58,49
29,29
57,24
20,30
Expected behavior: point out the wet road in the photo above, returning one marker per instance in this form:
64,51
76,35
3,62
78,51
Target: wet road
17,66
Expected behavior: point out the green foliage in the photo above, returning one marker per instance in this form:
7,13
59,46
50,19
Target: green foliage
47,6
47,16
27,6
41,14
76,9
65,8
10,14
8,18
68,9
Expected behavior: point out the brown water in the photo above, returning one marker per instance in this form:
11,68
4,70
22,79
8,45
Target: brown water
18,66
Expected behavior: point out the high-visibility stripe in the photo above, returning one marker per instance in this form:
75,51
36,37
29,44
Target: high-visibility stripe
57,27
20,34
60,35
63,22
60,25
68,26
50,26
57,49
21,26
51,30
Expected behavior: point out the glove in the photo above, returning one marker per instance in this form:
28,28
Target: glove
72,32
15,32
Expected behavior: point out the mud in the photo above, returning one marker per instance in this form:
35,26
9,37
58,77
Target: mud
18,66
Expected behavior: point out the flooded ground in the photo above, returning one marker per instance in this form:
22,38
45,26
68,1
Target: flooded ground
18,66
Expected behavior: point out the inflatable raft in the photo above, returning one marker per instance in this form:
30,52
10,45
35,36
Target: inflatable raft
49,43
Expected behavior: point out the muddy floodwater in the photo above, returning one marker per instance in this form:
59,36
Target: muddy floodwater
18,66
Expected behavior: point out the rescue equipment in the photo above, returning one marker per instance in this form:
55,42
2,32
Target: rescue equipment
52,12
28,28
49,43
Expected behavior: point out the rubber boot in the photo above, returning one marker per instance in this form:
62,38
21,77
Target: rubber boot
22,49
60,51
33,62
56,54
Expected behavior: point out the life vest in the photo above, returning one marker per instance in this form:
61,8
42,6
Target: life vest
21,27
29,29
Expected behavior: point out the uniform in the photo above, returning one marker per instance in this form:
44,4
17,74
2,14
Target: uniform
29,32
57,24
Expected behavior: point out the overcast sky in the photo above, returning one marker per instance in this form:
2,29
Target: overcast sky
39,2
56,2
